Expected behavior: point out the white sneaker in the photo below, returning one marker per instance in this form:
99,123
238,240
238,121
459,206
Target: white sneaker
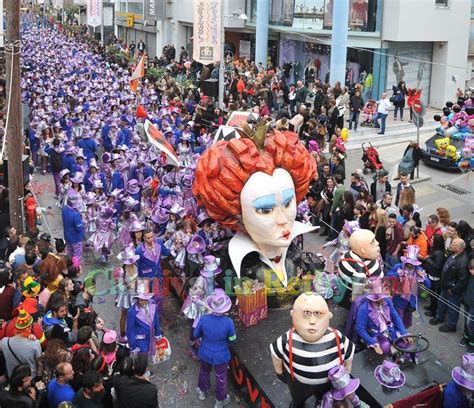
201,394
220,404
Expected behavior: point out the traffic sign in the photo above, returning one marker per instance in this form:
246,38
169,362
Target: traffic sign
419,108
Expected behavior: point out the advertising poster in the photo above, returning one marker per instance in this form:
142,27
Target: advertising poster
358,14
94,12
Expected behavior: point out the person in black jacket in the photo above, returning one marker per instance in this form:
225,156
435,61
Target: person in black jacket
454,279
136,391
434,266
355,106
468,300
399,95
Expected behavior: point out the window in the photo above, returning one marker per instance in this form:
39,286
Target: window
441,3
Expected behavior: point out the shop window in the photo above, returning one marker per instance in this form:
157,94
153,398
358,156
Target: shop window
442,3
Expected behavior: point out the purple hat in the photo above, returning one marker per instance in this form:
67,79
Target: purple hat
211,266
132,187
74,199
169,178
219,302
115,156
342,383
351,226
123,165
389,375
106,157
137,225
202,217
375,288
106,212
127,256
93,163
411,255
90,198
464,375
116,193
80,153
97,184
63,173
143,296
187,181
160,215
177,210
78,178
196,245
129,203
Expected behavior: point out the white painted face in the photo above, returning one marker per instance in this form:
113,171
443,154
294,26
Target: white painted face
269,208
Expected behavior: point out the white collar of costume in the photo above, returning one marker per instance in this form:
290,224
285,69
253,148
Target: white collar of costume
241,245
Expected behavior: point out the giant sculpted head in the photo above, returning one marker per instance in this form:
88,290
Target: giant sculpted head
253,185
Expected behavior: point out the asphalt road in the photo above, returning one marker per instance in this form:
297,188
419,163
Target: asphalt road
177,378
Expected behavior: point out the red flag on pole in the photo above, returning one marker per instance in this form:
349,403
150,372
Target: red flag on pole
138,73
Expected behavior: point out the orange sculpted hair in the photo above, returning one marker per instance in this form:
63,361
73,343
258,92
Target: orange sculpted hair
224,168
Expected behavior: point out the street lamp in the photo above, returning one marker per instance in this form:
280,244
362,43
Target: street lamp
238,15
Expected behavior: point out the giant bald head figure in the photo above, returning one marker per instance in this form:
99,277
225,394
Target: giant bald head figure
310,316
363,243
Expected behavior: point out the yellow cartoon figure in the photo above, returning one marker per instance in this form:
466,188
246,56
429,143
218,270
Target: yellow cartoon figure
452,153
442,145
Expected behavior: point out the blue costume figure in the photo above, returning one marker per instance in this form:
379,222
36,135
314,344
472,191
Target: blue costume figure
106,139
74,230
88,145
69,161
93,175
409,274
143,325
459,393
124,137
150,253
119,176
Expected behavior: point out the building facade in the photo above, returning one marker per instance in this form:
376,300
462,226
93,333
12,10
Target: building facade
423,42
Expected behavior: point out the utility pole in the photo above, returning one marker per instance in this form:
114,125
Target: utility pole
14,135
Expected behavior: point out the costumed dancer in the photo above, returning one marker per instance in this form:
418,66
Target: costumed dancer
143,325
126,281
216,332
181,239
313,342
104,237
409,273
195,305
73,226
63,187
459,393
343,389
342,241
378,323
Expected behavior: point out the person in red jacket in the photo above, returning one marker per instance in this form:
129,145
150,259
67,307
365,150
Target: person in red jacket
432,228
30,210
30,305
9,296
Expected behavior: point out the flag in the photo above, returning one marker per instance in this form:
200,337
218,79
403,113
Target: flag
138,73
156,138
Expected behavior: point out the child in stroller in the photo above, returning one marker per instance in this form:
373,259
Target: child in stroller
369,110
370,158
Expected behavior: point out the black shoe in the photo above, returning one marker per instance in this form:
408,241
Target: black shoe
463,342
428,307
322,233
446,328
434,321
380,133
328,238
429,313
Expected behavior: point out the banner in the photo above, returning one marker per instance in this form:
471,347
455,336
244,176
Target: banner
207,41
154,10
94,13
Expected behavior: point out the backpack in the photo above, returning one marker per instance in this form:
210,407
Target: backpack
56,162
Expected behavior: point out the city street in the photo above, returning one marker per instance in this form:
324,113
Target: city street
176,379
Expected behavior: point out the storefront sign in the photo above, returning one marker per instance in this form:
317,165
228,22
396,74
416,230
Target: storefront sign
154,10
207,41
244,48
94,13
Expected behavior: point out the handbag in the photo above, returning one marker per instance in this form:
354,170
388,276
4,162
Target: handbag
163,350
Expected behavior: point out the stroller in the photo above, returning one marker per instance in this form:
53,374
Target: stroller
369,111
370,158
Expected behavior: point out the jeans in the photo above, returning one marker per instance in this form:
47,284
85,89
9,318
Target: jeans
383,117
204,382
453,315
469,327
354,117
398,108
